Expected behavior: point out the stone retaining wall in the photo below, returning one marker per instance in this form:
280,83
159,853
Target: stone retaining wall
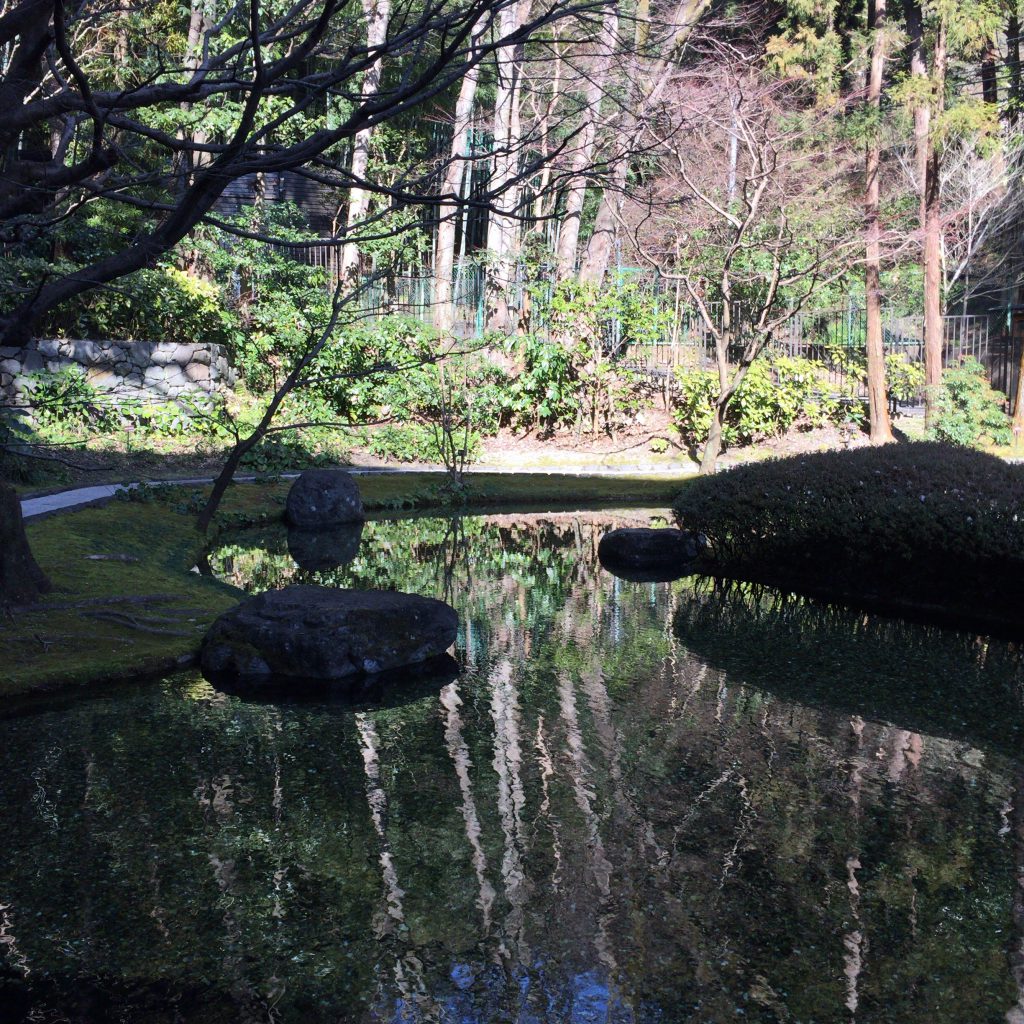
150,370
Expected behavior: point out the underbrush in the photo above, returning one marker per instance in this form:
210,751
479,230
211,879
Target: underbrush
920,522
781,393
775,396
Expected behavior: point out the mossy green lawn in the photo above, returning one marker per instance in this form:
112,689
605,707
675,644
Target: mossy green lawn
138,608
124,601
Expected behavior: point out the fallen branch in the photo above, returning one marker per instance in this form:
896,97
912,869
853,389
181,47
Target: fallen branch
129,621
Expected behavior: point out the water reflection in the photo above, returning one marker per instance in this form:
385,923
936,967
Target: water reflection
316,550
638,802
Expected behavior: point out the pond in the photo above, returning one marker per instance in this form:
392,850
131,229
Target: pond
636,802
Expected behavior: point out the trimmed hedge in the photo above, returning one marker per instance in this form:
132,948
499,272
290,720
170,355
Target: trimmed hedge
922,524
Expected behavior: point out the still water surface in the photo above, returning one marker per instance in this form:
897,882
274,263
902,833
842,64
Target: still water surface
635,803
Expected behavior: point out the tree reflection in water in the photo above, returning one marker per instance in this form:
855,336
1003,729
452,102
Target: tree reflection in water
638,802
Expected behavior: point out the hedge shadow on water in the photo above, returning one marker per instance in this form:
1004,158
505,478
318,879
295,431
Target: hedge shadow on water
924,679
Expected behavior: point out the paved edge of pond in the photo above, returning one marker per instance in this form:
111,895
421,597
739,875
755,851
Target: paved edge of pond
55,502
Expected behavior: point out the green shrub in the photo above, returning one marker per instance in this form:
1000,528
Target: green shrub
187,416
278,454
776,394
67,404
566,380
397,370
414,442
969,411
67,400
545,392
904,380
162,304
694,403
16,437
923,519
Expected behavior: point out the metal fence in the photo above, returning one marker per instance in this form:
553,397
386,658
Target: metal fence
834,338
835,341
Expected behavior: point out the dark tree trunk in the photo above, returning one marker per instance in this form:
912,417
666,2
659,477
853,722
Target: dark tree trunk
713,447
878,403
989,79
933,332
1013,63
930,168
21,579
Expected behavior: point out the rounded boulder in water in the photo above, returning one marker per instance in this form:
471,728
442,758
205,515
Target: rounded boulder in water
311,632
322,498
649,556
319,550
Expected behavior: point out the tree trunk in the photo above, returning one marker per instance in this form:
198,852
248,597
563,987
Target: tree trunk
713,447
569,232
199,23
502,227
378,16
459,165
878,402
989,82
598,256
928,171
21,579
1018,403
1013,63
646,87
932,291
922,112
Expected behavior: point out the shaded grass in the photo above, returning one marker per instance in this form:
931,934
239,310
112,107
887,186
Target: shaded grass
121,619
247,504
70,638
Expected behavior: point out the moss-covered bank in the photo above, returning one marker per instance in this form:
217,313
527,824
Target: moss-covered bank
127,602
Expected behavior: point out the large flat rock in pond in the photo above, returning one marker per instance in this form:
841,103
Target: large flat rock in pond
322,498
649,555
312,632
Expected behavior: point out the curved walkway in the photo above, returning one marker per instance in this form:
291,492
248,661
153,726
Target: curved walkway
80,497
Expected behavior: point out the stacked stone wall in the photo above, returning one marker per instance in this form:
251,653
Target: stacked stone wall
151,370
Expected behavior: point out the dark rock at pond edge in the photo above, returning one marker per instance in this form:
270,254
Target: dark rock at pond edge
391,689
315,550
322,498
311,632
644,555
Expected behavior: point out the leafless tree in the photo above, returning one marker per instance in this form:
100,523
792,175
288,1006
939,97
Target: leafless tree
982,202
654,56
752,250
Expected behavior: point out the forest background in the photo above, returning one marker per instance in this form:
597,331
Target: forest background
413,225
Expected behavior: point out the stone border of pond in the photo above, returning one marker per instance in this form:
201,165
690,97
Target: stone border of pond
128,604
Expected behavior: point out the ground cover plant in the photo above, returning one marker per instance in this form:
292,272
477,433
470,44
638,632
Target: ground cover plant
969,411
925,526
